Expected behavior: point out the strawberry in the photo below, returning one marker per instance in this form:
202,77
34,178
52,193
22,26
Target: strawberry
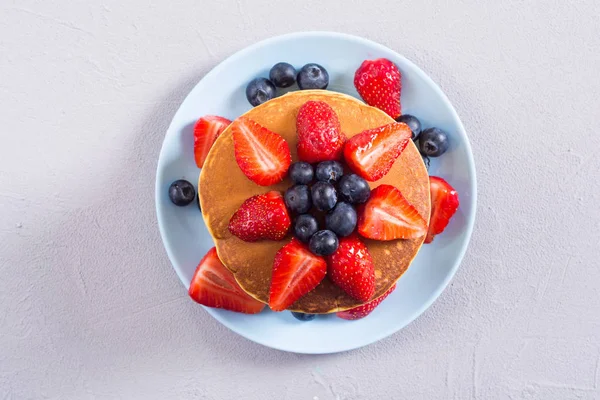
365,309
296,271
320,137
379,83
206,131
387,215
444,202
372,153
263,216
263,156
351,268
213,285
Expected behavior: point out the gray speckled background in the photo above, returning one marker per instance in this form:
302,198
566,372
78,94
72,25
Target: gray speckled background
89,305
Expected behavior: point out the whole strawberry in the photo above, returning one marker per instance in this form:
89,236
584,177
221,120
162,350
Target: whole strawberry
379,83
262,216
320,136
351,268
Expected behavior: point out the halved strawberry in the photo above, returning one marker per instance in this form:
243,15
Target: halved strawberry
213,285
351,268
444,203
296,271
263,216
372,153
263,156
365,309
206,131
387,215
320,136
379,83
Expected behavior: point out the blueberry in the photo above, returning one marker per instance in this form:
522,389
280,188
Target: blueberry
182,192
303,317
433,142
283,75
324,196
323,243
313,76
342,219
354,189
329,171
198,202
301,173
426,161
297,199
305,226
260,90
413,123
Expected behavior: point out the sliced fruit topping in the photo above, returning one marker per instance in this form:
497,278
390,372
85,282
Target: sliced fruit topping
213,285
263,216
366,309
263,156
206,131
372,153
351,268
320,137
260,90
182,193
379,83
433,142
387,215
296,271
313,76
444,203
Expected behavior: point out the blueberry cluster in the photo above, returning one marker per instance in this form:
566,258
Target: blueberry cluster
284,75
431,142
331,197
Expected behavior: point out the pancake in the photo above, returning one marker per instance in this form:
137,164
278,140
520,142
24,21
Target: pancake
223,188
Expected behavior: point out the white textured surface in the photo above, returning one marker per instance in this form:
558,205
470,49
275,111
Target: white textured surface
89,305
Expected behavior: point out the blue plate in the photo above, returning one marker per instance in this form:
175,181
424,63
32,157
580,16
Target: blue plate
222,92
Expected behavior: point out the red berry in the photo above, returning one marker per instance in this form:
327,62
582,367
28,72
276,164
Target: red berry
372,153
379,83
387,215
296,271
444,203
213,285
263,216
351,268
320,137
365,309
206,131
263,156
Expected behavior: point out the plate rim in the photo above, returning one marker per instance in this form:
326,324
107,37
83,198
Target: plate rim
470,216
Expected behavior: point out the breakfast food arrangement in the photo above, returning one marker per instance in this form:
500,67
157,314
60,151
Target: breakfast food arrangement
317,202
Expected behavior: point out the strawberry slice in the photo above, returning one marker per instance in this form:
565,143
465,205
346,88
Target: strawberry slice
206,131
444,203
263,216
263,156
379,83
365,309
296,271
351,268
387,215
213,285
320,136
372,153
